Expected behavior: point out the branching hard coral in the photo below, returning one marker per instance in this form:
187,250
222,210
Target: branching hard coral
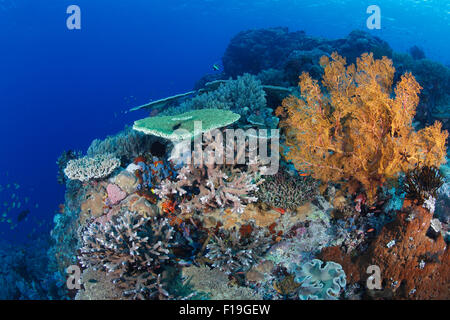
356,130
285,191
231,252
421,183
132,248
88,168
211,185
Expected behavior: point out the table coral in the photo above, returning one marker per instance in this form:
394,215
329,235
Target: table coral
232,252
356,131
89,168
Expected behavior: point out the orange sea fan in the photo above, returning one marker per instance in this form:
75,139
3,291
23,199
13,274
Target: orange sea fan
356,129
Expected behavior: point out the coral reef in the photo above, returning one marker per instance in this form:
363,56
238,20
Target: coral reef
244,96
285,191
422,183
219,185
359,132
253,51
182,126
320,281
131,249
215,283
98,285
88,168
148,220
232,252
435,81
413,263
24,272
62,161
126,145
278,56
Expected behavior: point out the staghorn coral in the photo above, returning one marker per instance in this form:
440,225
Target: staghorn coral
232,252
356,131
88,168
218,185
285,191
131,249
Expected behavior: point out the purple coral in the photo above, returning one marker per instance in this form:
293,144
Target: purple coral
115,194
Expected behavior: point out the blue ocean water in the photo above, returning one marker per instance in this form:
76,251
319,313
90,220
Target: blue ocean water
61,88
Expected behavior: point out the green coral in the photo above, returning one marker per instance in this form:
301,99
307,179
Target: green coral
182,126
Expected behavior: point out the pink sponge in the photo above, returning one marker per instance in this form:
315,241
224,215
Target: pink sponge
115,194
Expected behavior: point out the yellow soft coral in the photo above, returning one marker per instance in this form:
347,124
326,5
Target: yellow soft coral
357,130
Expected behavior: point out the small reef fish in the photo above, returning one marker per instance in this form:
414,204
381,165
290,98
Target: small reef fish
304,174
216,67
280,210
22,215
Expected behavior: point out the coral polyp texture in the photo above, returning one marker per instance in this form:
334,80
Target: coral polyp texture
88,168
219,185
285,191
356,129
131,248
